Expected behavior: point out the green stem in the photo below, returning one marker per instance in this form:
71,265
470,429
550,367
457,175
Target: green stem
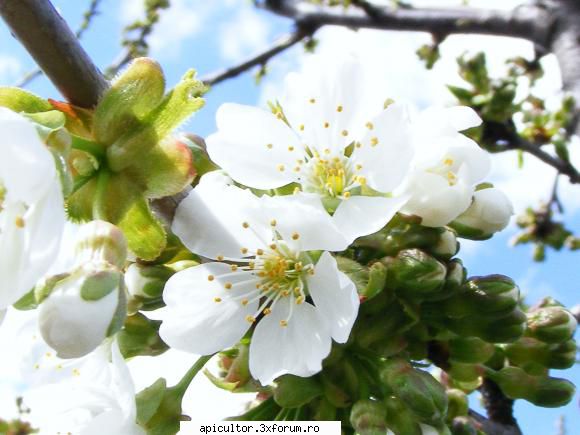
183,384
95,149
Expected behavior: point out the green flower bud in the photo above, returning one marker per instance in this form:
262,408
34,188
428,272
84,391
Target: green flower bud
458,404
562,355
201,160
147,281
490,296
368,417
456,275
505,329
542,391
527,353
471,350
400,419
140,336
416,273
465,372
489,213
551,324
418,390
293,391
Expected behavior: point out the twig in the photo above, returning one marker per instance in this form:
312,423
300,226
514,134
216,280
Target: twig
554,198
532,23
277,47
55,48
88,16
499,408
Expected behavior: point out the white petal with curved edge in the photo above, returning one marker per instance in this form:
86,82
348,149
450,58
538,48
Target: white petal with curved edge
303,222
335,297
468,153
322,102
254,147
437,121
386,149
435,201
27,164
209,221
193,321
362,215
297,348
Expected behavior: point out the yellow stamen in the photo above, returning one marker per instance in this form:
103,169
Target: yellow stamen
19,222
281,168
374,141
250,319
228,285
210,277
283,323
217,299
339,108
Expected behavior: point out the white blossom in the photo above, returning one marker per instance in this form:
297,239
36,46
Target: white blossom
31,207
489,212
265,275
447,165
324,138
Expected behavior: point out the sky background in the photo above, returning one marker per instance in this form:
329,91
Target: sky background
210,35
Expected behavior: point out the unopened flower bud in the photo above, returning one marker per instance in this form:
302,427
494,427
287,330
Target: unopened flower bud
490,296
447,245
551,324
400,419
101,242
146,281
368,417
458,405
140,336
463,426
504,329
418,390
489,213
470,350
416,272
456,275
82,310
562,355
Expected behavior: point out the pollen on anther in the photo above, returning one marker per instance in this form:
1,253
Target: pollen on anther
339,108
260,252
244,250
344,132
281,168
326,124
374,141
273,222
290,148
245,302
358,167
245,225
448,161
76,372
234,267
312,100
250,319
228,285
273,246
220,258
269,146
362,180
210,277
217,300
295,236
19,222
283,323
370,125
301,127
267,311
300,300
346,195
358,145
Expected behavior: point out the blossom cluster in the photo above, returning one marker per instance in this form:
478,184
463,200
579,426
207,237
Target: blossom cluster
249,259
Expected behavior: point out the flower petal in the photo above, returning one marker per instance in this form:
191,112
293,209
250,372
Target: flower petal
201,314
437,121
297,348
209,221
254,147
362,215
303,222
335,297
386,149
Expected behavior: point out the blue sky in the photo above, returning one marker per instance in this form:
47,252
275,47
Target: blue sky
211,35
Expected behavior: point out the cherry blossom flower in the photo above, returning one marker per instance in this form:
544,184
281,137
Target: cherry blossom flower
31,207
266,276
326,140
447,165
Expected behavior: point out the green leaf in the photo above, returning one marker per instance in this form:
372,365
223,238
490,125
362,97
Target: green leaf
463,95
19,100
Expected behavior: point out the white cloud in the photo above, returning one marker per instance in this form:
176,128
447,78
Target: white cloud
244,34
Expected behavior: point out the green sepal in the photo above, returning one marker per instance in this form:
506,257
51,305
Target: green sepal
415,273
26,302
149,400
294,391
132,95
79,204
47,122
176,107
400,419
99,284
551,324
471,350
220,382
265,411
140,337
369,417
21,101
467,232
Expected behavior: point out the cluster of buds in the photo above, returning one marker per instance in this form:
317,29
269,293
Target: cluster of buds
419,304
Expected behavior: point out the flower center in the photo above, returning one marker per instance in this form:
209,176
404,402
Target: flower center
331,177
446,169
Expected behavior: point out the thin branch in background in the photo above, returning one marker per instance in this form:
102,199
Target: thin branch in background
137,46
90,13
261,58
554,198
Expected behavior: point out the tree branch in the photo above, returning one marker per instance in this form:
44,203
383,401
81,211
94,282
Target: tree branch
277,47
55,48
88,16
533,23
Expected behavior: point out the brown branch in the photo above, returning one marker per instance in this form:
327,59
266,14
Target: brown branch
55,48
532,23
499,408
277,47
88,16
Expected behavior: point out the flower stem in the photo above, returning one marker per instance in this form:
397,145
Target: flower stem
183,384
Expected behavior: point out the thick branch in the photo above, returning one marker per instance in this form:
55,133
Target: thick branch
528,22
280,45
54,47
